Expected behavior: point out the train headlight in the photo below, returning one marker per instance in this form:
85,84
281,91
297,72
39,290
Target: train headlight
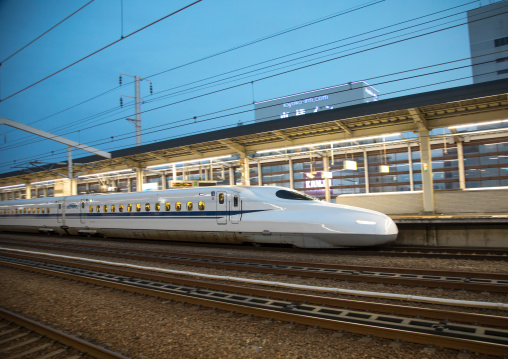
360,221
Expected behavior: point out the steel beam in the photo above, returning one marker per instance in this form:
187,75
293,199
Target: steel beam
50,136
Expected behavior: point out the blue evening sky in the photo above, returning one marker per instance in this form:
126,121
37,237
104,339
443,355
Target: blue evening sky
82,103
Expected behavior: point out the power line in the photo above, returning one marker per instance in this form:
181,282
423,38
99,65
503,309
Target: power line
101,49
295,69
225,51
44,33
315,47
180,123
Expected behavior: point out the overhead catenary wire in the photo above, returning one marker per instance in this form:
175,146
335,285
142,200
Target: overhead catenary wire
316,64
313,22
99,50
205,117
45,32
417,18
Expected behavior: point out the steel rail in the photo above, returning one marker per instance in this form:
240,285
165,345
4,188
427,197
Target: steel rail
286,315
385,275
416,312
61,337
112,250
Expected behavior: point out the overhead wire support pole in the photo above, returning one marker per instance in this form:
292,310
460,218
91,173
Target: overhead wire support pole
137,101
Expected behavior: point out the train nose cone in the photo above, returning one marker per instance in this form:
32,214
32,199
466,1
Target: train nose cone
390,229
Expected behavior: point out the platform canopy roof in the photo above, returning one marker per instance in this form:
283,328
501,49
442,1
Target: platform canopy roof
463,105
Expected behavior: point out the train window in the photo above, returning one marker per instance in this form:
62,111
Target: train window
157,206
33,210
59,206
138,207
178,206
43,210
129,207
235,201
120,207
82,204
98,208
221,198
167,206
91,209
189,206
284,194
48,210
105,208
147,207
112,208
201,205
38,210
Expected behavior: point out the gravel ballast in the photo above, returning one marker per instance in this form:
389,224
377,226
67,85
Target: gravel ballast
145,327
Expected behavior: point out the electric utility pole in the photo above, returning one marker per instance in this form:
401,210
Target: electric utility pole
137,101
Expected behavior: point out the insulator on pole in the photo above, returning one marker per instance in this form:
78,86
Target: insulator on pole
151,89
121,102
120,79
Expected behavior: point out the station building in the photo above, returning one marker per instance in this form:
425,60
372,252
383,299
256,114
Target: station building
488,37
437,162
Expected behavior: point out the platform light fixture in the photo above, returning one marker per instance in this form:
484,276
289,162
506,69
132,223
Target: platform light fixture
190,161
329,143
107,173
479,124
49,181
13,186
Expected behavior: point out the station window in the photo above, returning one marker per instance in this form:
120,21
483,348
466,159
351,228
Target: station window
189,206
120,207
201,205
167,206
105,208
178,206
147,207
98,208
157,206
129,207
138,207
112,208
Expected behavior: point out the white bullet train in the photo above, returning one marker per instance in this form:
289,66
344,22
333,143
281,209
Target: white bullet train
225,214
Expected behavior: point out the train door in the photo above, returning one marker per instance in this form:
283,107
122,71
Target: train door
82,210
222,209
60,212
235,209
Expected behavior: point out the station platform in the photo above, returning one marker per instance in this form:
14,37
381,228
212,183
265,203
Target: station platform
459,218
453,230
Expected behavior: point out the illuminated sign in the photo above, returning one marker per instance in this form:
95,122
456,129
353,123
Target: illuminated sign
315,101
350,165
315,184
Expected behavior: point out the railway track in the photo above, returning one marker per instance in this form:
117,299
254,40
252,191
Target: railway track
465,331
21,338
488,282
